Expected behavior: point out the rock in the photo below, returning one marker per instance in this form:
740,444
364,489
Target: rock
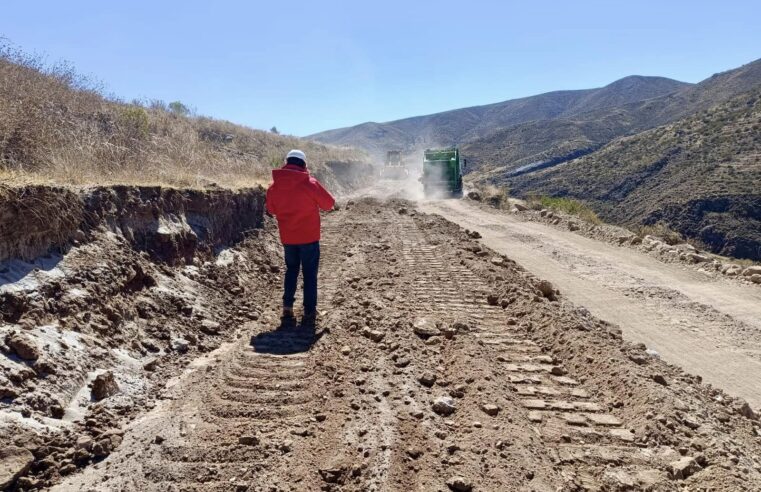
402,211
755,278
744,409
105,446
752,270
490,409
56,411
23,346
428,379
660,379
638,359
546,288
180,345
683,468
8,392
492,299
210,327
424,327
573,226
459,484
498,261
374,335
345,350
248,440
158,439
697,258
414,452
14,462
151,365
444,405
475,196
332,475
520,207
104,386
731,270
474,235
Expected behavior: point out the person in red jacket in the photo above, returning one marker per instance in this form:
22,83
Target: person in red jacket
295,198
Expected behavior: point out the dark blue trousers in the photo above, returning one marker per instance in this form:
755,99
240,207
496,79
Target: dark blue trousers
304,257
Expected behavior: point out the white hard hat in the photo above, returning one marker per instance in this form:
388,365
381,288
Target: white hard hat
297,153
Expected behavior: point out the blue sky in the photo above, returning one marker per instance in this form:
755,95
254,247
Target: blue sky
307,66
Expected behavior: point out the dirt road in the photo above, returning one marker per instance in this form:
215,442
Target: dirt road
436,365
709,326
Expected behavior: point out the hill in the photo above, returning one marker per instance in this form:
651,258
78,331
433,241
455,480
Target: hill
57,126
467,124
700,176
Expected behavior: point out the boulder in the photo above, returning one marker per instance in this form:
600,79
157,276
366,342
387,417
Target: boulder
520,207
752,270
104,386
756,278
14,462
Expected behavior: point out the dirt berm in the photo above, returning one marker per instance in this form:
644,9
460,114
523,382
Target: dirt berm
436,365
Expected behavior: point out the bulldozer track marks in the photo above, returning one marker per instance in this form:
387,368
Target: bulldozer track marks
583,436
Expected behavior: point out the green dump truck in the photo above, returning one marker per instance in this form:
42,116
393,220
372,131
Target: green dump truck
442,172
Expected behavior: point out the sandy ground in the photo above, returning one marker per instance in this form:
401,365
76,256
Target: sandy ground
709,326
436,365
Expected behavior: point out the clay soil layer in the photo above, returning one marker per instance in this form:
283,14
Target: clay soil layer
436,364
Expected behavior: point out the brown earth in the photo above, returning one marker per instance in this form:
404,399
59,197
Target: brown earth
436,364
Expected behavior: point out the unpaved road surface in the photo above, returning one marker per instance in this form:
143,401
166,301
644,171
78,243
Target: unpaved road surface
436,365
709,326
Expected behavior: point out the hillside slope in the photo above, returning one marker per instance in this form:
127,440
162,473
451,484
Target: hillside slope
456,126
701,176
56,126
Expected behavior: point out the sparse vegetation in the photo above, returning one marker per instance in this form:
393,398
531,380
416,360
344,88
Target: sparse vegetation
660,230
57,126
566,205
698,176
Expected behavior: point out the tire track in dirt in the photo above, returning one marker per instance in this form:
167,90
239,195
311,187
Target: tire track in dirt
582,439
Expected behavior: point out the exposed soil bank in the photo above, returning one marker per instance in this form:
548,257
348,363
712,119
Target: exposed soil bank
170,224
105,293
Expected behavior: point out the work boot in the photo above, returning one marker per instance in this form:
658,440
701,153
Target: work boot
309,320
287,318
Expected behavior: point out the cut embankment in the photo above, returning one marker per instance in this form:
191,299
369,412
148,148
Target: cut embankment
105,293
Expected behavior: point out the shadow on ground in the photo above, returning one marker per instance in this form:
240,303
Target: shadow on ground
287,339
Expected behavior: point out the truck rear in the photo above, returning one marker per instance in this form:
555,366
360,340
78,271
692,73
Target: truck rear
442,172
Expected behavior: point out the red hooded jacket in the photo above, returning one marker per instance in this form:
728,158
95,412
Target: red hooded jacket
295,199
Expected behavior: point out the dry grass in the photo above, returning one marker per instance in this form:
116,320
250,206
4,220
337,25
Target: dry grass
567,205
662,231
58,127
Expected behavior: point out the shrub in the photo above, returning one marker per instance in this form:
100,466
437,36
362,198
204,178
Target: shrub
133,122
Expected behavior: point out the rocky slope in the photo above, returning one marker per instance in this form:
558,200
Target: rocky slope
700,176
